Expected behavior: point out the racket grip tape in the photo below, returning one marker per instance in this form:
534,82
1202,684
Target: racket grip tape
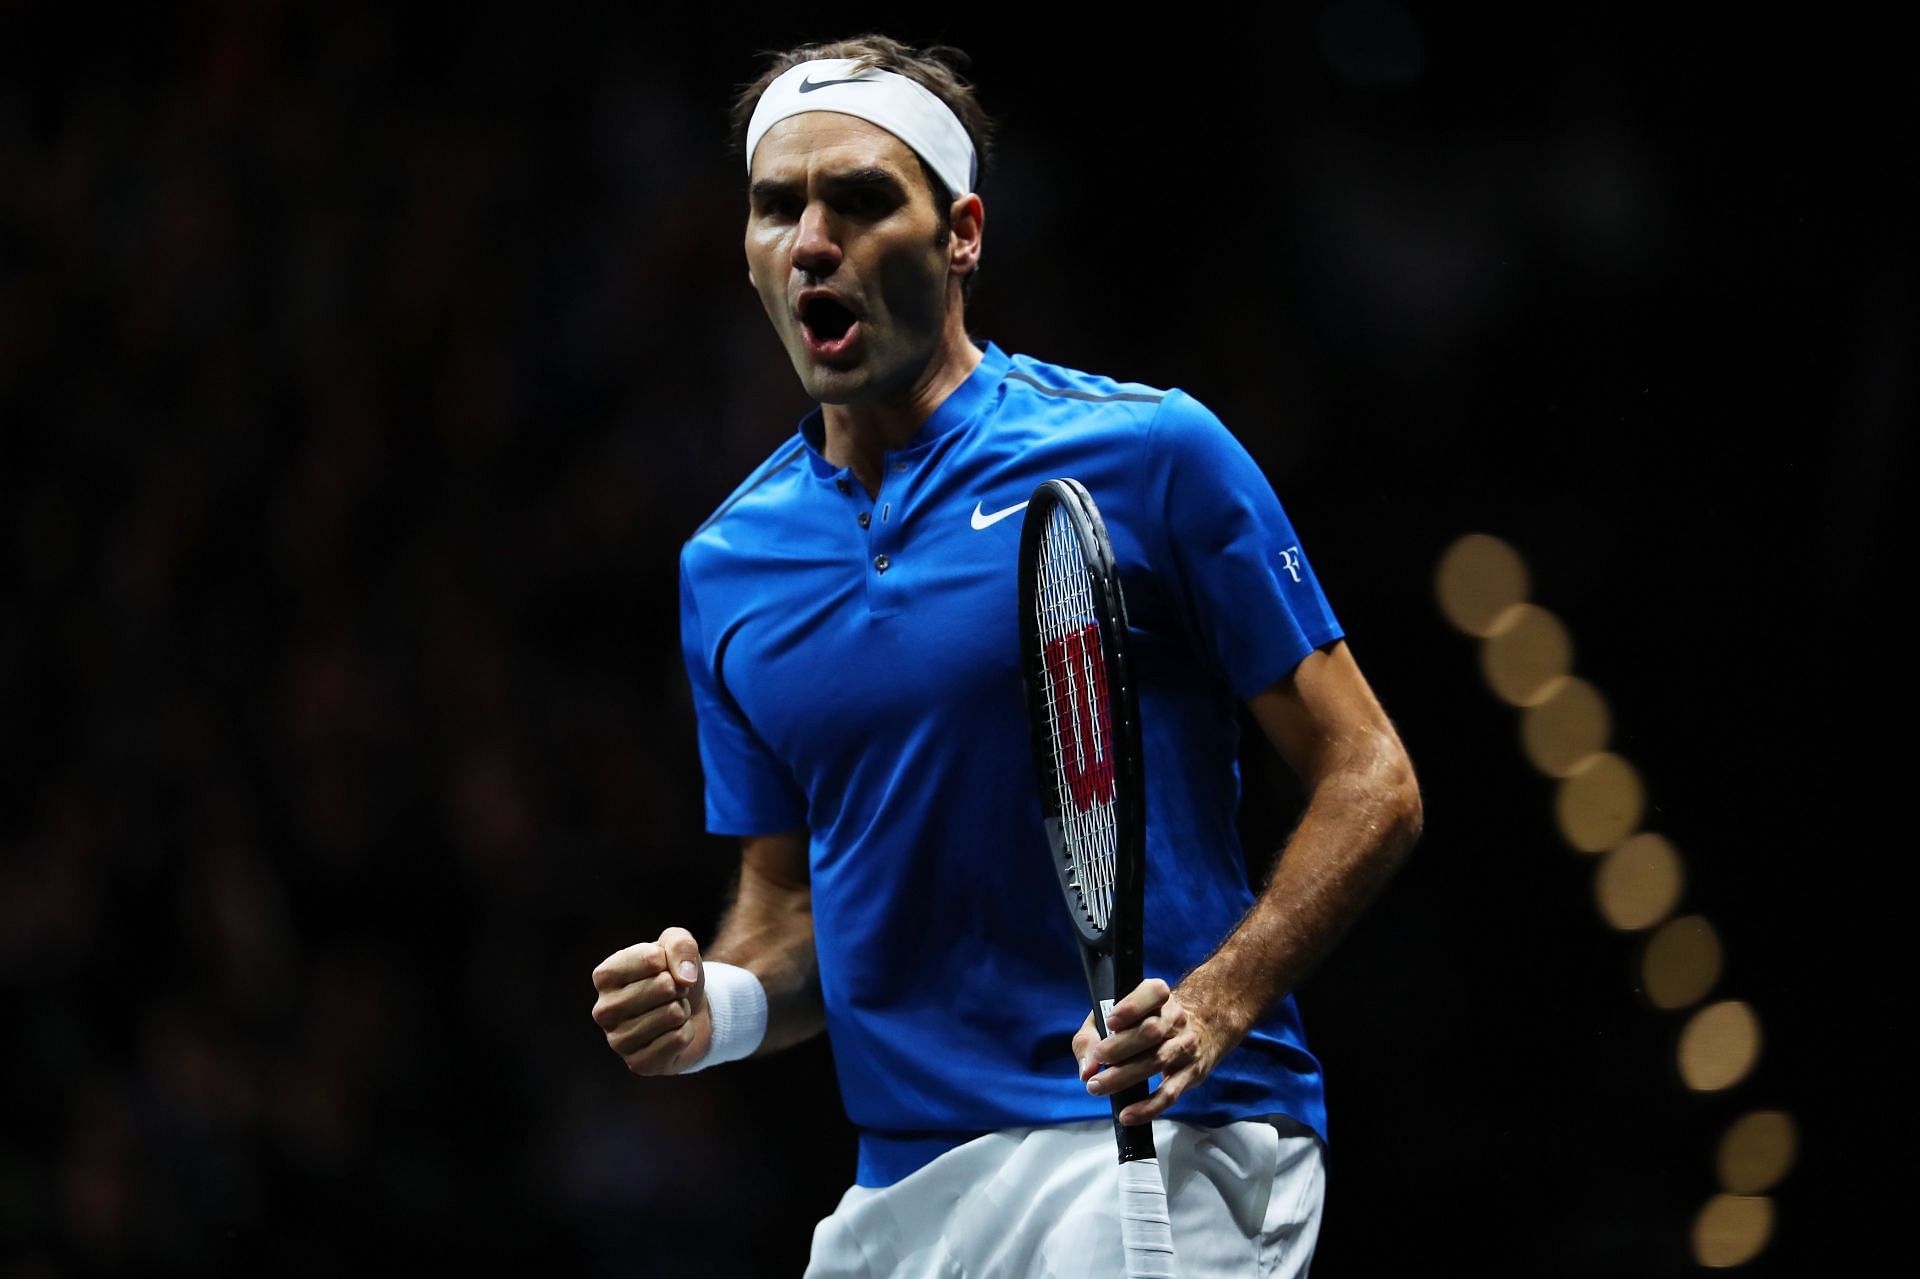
1146,1231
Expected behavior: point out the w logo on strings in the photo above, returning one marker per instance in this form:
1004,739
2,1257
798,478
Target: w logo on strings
1077,676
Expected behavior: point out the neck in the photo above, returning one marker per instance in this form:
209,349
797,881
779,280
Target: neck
860,436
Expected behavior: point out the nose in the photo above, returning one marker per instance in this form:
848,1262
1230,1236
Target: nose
815,250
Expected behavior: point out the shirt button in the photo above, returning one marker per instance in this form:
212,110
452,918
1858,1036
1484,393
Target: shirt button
899,466
865,519
881,563
841,483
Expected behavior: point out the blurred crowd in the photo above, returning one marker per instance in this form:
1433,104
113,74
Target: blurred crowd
343,707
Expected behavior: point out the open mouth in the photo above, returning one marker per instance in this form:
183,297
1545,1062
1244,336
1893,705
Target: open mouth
827,321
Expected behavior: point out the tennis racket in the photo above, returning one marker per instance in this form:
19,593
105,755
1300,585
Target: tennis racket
1085,724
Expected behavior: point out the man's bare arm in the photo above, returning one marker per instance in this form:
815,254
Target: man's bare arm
1363,814
769,932
652,997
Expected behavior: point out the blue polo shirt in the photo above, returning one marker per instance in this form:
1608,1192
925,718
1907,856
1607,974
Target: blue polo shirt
855,667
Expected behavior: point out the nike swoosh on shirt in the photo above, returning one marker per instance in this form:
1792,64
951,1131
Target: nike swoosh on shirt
808,85
988,521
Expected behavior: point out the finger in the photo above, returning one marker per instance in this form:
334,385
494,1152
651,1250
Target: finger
1142,1002
1083,1041
624,967
635,1034
1171,1058
1125,1045
1115,1079
683,955
616,1007
662,1056
1158,1102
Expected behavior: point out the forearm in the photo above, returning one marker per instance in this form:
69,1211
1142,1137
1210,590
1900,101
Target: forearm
768,930
1361,820
1363,815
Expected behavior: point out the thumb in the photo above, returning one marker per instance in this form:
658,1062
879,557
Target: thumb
683,956
1085,1038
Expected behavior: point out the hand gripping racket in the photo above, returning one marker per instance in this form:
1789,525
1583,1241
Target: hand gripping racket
1086,744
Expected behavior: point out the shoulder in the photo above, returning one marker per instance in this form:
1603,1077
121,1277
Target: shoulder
1038,380
1069,408
1169,416
753,501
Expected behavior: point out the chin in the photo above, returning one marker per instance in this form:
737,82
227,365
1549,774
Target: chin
830,385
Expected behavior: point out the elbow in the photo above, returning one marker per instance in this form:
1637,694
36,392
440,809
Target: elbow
1414,820
1400,789
1380,791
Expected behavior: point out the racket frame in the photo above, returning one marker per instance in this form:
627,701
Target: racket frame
1112,957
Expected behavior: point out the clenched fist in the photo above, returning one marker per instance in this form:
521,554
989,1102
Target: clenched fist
652,1004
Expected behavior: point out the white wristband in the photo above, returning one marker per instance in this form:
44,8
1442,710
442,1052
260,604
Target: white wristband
737,1002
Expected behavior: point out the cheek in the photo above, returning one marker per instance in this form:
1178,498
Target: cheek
767,282
913,286
763,257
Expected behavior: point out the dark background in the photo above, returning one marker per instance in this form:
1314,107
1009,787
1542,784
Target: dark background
361,373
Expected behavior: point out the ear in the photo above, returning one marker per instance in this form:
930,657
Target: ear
969,219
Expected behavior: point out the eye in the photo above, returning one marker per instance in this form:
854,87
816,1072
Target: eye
780,208
868,202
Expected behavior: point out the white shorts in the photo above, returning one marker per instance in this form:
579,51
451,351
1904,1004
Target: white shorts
1043,1203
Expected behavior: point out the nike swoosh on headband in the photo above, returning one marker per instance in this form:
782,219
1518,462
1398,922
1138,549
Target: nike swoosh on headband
988,521
808,85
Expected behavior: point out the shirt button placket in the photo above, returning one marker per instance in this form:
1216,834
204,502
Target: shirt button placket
883,526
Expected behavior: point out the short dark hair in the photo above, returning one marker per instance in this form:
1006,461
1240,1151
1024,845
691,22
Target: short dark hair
938,68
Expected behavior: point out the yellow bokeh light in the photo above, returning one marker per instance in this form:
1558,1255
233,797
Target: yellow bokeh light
1732,1230
1527,649
1638,883
1479,578
1600,803
1681,963
1719,1045
1757,1152
1567,724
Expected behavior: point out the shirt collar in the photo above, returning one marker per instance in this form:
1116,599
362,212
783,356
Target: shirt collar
962,404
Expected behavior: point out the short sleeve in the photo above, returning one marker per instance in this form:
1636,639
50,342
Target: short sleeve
1231,560
749,791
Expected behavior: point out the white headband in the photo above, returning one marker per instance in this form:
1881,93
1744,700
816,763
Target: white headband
905,108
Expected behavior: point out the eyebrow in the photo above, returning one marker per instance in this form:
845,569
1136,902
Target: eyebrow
871,178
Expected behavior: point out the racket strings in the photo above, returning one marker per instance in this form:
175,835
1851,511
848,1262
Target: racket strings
1079,729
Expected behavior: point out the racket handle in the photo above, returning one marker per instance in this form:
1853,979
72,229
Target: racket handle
1146,1231
1135,1142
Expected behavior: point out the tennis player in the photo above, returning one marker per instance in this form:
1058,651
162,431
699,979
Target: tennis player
849,629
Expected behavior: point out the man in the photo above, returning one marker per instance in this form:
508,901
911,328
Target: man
849,629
